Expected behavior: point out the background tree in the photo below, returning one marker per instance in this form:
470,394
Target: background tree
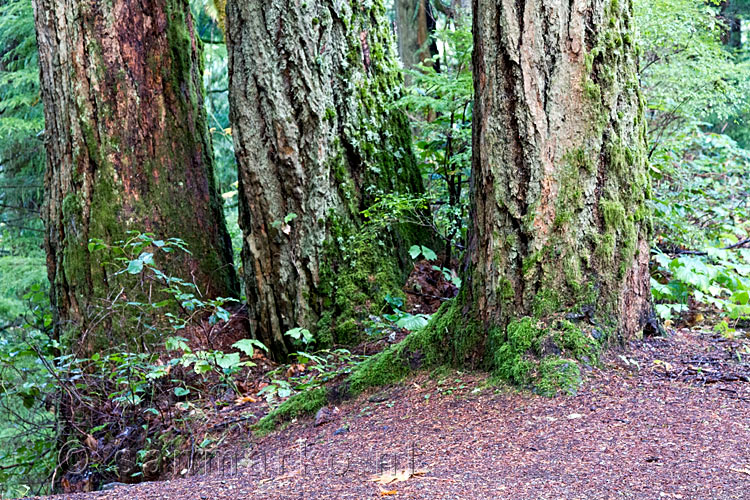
21,160
688,76
317,141
127,146
415,26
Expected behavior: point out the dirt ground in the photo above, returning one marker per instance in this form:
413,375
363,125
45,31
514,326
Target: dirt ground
666,418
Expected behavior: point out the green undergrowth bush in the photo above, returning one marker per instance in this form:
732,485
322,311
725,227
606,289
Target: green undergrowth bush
440,104
702,225
122,407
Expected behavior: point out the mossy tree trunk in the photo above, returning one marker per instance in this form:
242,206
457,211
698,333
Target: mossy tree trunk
559,245
128,147
557,260
317,140
560,179
415,25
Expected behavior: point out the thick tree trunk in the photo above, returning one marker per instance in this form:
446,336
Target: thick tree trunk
415,25
128,147
317,140
558,252
559,173
557,261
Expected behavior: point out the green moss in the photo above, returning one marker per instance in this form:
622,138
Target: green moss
605,249
358,271
613,213
505,289
592,91
513,360
543,357
570,338
556,375
387,367
304,403
546,302
349,332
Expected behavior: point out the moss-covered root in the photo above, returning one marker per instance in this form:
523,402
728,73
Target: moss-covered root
304,403
422,349
540,355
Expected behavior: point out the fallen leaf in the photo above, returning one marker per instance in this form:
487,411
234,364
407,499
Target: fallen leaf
91,442
664,364
385,493
574,416
399,476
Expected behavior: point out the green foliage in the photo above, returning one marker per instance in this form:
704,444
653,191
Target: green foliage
687,74
416,250
21,123
692,81
702,181
113,388
440,103
27,451
403,319
19,276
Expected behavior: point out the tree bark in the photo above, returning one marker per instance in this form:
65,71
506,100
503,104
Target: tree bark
317,140
128,147
560,182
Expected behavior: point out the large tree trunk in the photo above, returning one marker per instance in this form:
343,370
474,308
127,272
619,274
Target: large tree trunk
128,147
557,260
559,247
559,173
415,25
317,140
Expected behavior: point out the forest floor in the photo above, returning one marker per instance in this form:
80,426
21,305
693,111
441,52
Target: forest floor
665,418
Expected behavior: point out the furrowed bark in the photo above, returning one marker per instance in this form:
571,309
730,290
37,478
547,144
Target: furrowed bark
559,174
317,140
128,148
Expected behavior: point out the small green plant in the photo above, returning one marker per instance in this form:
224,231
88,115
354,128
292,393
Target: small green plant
301,335
416,250
403,319
309,371
224,365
